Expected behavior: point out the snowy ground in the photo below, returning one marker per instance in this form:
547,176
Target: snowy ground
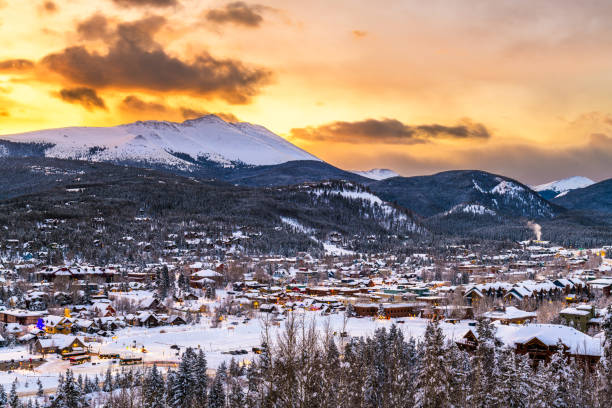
232,334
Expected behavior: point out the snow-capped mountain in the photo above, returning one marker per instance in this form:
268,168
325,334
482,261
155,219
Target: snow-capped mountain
559,188
463,191
173,144
376,174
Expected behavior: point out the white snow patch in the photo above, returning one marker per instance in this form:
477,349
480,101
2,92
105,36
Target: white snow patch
332,249
475,209
296,225
507,188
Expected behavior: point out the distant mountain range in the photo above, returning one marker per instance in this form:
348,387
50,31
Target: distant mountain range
377,174
467,203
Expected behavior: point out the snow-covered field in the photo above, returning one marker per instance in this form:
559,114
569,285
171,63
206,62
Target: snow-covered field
232,334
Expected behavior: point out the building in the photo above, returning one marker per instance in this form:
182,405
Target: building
578,317
23,317
510,314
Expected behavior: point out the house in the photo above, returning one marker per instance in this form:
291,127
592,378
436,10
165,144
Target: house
147,319
59,345
103,309
390,310
153,304
540,341
13,329
84,325
23,317
175,320
578,317
57,324
204,277
510,314
109,323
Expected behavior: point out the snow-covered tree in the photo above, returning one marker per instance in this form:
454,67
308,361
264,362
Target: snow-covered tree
40,391
486,371
604,372
433,387
153,388
216,396
108,381
3,397
13,399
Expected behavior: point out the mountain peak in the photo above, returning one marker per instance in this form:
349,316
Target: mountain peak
168,143
376,174
558,188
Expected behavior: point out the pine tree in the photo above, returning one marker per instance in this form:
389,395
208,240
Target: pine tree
13,399
332,377
604,372
433,379
163,284
458,375
108,381
180,388
564,390
253,382
3,397
40,391
376,379
486,371
200,380
216,397
381,313
170,376
95,384
510,391
69,395
236,397
543,387
153,388
350,310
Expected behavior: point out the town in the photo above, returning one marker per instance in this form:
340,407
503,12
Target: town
96,318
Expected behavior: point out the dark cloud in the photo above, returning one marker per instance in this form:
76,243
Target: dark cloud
134,103
239,13
16,65
389,131
189,113
359,33
86,97
462,131
145,3
135,60
49,7
94,28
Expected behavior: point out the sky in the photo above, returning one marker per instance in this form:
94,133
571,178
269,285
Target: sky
519,88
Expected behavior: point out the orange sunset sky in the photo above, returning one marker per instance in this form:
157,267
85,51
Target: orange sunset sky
521,88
